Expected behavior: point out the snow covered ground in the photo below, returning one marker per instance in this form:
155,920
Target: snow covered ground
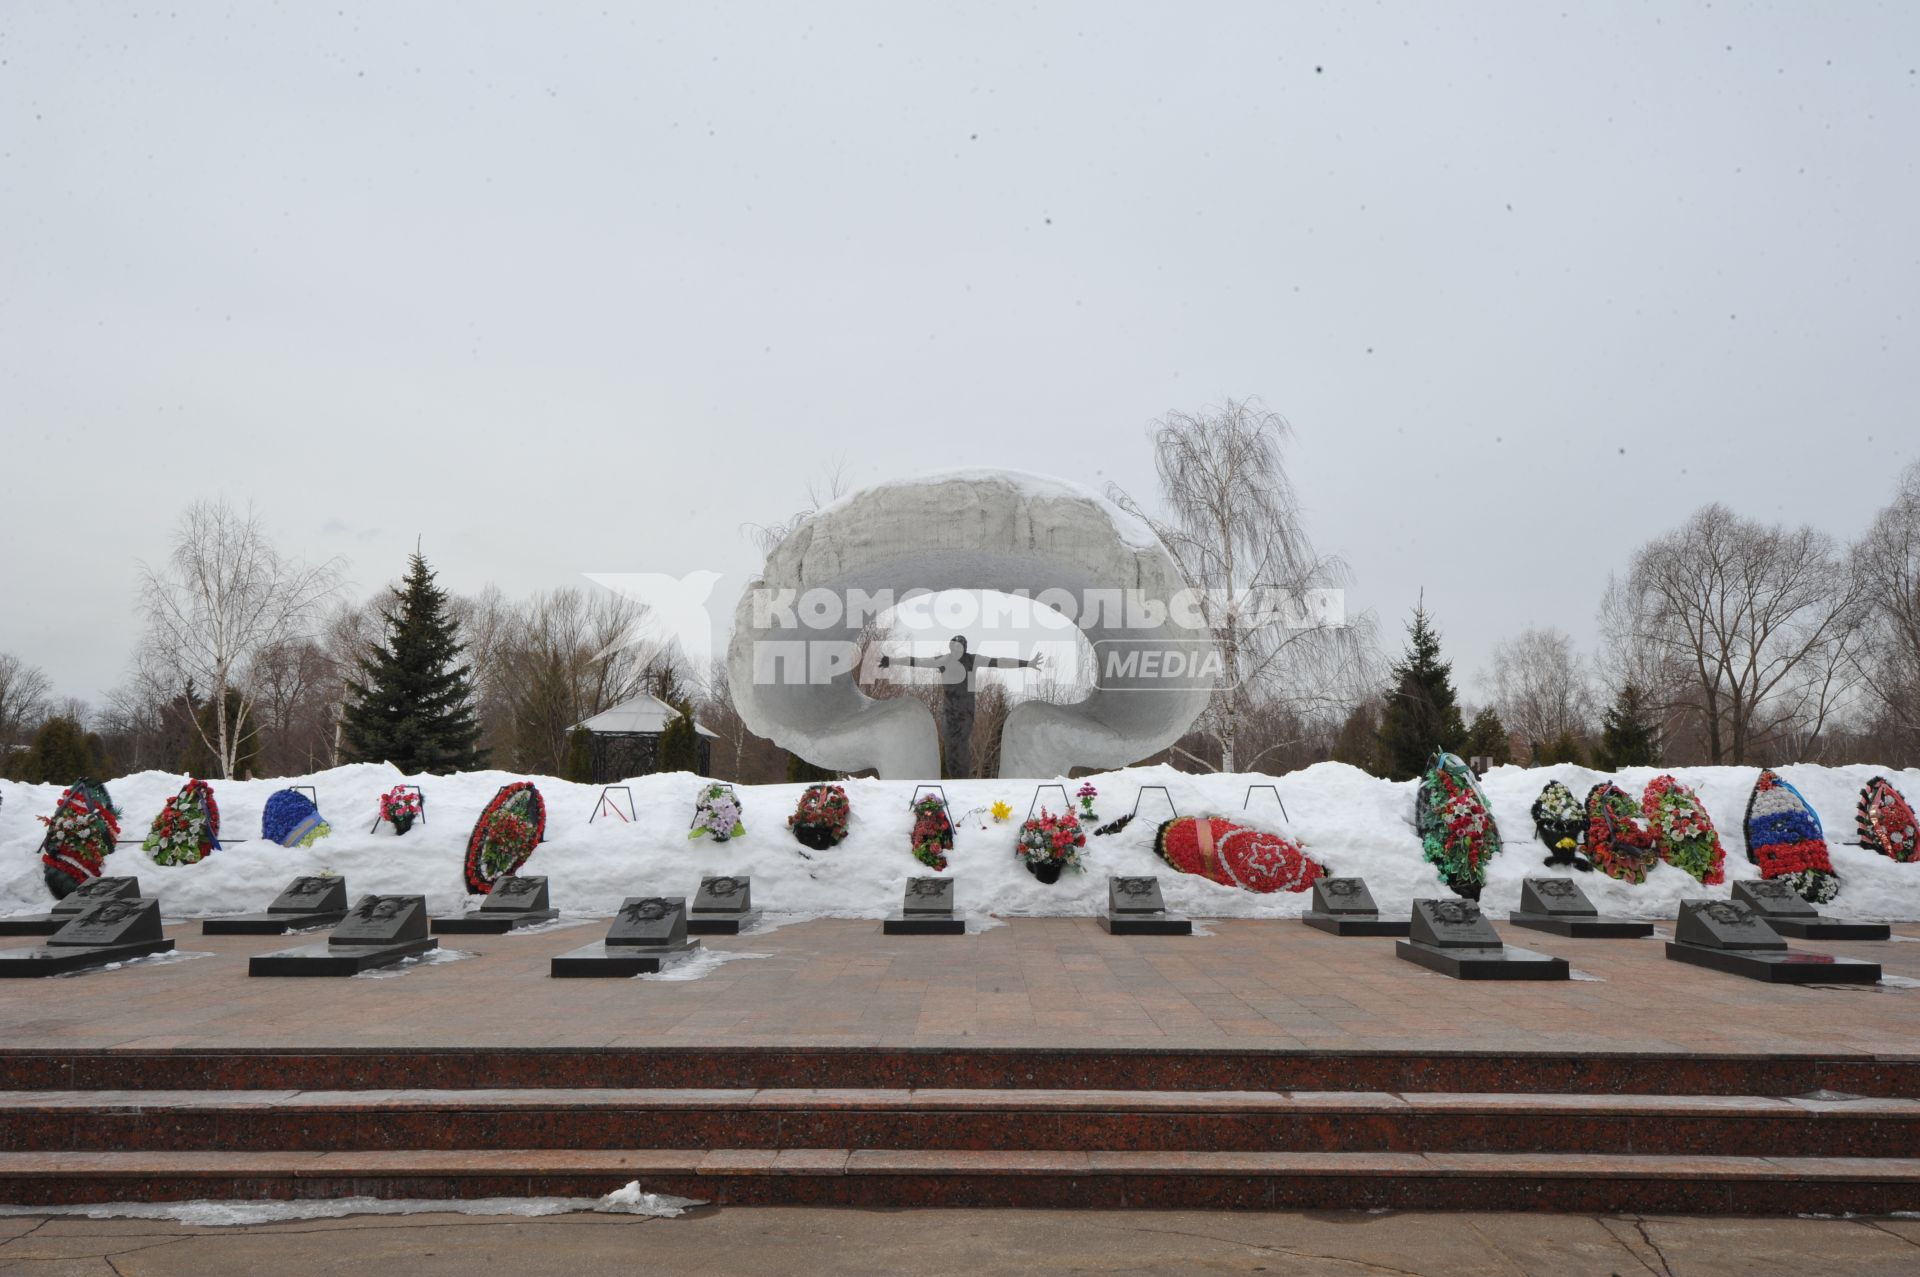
1354,823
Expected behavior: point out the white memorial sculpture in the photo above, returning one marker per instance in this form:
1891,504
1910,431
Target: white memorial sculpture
789,660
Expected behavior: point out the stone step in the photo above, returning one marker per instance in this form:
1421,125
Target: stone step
885,1177
346,1068
956,1119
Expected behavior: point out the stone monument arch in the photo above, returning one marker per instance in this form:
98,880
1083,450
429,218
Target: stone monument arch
794,682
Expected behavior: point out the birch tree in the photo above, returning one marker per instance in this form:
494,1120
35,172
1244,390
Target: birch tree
224,601
1233,525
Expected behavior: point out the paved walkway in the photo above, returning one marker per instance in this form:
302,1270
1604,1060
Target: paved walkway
1031,982
755,1242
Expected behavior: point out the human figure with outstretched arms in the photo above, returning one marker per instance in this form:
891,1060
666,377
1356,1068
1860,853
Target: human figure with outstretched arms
956,666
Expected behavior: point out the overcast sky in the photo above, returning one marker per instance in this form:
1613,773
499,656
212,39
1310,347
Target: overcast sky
567,289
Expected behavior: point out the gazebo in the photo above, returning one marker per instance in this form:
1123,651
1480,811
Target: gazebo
626,739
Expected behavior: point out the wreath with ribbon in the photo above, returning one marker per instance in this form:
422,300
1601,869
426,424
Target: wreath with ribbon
187,830
1218,850
505,835
81,834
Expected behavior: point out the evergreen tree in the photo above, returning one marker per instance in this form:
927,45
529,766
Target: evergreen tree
580,756
679,744
1358,744
61,753
802,772
1421,715
1487,738
1629,737
413,704
198,760
1563,748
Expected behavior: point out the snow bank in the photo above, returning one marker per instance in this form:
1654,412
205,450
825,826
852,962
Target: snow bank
1353,823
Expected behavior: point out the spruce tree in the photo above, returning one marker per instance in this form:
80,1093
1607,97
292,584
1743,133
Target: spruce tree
1629,737
62,753
1421,714
1487,738
413,704
679,744
580,756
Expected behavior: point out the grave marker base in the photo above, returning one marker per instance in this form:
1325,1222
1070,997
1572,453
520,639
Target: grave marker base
1145,924
1356,924
268,924
492,922
42,924
1774,966
720,924
1585,928
603,959
1817,928
924,924
327,958
44,960
1502,963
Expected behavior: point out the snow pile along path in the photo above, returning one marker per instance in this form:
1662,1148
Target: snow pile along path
1353,823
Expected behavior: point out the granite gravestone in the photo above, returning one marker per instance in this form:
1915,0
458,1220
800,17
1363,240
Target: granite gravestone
1789,914
1726,935
314,901
1136,908
82,897
1559,906
111,930
927,910
721,907
377,932
646,932
1344,907
1455,939
513,903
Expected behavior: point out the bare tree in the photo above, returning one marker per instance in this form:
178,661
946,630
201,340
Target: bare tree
1763,620
565,660
225,599
1887,563
1233,525
23,700
1540,688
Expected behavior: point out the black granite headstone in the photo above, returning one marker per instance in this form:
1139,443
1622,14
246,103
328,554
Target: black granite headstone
652,921
1772,897
110,930
1555,897
1789,914
928,895
515,894
514,902
647,931
1344,907
318,900
1726,935
377,932
1455,939
1343,895
110,922
322,893
1452,924
926,910
383,920
1559,905
87,894
1724,924
95,890
1136,908
722,906
1135,895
